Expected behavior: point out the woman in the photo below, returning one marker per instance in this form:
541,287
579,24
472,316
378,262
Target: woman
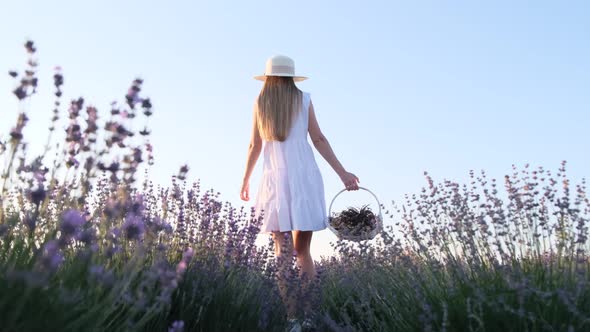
291,192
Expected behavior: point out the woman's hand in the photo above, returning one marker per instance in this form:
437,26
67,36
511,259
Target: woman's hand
245,192
350,180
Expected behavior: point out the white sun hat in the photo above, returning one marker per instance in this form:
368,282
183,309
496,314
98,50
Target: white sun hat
280,65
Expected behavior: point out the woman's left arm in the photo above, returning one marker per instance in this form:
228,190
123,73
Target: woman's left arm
254,150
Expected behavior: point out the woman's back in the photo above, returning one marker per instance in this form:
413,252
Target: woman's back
296,143
291,192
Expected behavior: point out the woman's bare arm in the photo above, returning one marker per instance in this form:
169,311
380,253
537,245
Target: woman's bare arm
323,146
254,148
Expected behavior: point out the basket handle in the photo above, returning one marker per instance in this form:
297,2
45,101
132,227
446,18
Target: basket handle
343,190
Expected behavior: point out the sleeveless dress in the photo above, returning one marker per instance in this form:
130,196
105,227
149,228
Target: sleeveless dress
291,191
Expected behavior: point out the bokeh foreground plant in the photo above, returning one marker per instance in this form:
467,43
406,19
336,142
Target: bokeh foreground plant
85,246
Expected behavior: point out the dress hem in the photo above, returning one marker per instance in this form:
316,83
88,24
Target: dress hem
289,230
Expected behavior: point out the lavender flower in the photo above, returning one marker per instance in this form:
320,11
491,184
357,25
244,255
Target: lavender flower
133,227
71,221
51,257
86,236
183,172
137,205
114,234
30,46
100,274
37,195
157,225
132,96
30,221
113,208
177,326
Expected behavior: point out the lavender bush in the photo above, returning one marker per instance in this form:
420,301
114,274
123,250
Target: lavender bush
470,258
85,246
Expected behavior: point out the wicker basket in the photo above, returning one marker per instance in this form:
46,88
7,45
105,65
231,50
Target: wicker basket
349,237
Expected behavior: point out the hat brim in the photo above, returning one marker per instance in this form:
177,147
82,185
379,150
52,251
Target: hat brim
295,78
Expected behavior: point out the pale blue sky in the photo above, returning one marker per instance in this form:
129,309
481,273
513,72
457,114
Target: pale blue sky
398,87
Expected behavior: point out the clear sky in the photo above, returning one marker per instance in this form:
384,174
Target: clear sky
399,88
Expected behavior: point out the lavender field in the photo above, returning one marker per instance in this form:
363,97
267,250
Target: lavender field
89,243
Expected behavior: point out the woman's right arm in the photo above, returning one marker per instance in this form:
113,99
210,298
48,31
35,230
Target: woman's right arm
323,146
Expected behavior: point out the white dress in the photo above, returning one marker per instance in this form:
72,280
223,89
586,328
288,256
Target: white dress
291,190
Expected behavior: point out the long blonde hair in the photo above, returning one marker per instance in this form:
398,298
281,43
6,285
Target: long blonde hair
278,102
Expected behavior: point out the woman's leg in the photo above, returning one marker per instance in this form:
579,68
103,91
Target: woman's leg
284,253
302,243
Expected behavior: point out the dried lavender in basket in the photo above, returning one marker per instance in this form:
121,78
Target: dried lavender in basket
354,221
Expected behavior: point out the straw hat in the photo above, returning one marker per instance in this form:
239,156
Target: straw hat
280,65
